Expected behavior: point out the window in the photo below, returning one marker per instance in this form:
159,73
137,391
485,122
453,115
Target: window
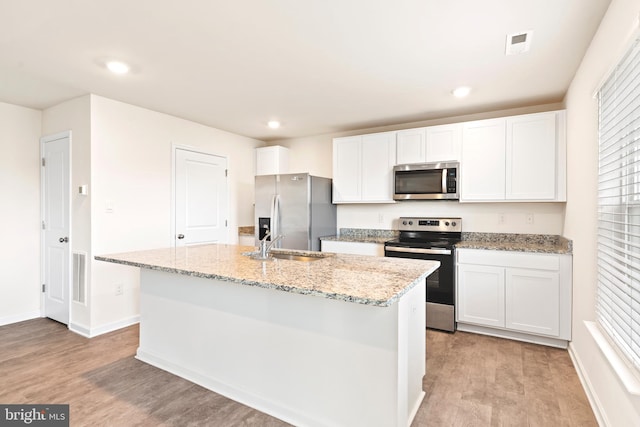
618,297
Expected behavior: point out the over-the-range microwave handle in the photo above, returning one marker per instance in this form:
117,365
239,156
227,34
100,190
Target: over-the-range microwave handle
418,250
444,180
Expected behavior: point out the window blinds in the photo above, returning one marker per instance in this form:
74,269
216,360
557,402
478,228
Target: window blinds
618,295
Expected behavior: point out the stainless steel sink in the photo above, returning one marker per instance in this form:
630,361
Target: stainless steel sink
295,257
285,255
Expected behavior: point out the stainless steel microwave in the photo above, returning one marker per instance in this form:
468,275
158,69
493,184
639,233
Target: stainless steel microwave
426,181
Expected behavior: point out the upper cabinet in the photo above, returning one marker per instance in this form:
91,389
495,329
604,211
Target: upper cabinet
363,168
519,158
429,144
272,160
515,159
482,171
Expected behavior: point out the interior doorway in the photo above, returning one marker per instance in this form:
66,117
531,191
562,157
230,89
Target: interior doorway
56,225
200,198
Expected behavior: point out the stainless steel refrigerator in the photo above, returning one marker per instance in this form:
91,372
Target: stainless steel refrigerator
297,206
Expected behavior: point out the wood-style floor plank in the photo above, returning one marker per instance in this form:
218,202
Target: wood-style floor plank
471,380
475,380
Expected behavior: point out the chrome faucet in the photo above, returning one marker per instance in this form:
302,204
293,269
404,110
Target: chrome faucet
265,246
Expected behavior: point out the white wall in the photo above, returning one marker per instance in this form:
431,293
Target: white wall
20,213
477,217
74,115
616,406
131,170
314,155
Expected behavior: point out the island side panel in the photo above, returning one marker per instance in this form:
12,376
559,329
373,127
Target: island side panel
308,360
412,350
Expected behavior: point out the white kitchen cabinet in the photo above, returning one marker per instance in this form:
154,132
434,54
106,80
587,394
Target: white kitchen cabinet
531,157
429,144
355,248
411,146
444,142
481,295
482,172
347,169
519,295
519,158
272,160
532,301
363,168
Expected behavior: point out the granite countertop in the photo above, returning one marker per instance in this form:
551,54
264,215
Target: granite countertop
539,243
359,279
362,235
247,230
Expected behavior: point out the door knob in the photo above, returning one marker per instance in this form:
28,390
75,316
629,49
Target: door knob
180,236
63,239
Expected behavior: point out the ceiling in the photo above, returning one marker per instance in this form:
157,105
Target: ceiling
318,66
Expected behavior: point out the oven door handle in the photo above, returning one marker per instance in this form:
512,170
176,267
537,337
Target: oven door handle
418,250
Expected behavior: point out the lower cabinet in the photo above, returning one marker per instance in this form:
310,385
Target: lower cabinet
356,248
481,295
518,295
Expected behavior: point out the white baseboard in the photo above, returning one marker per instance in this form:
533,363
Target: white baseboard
114,326
596,407
513,335
21,317
287,414
103,329
80,330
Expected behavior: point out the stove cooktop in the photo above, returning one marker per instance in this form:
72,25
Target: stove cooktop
419,232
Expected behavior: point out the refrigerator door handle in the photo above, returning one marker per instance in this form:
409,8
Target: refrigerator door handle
272,213
275,218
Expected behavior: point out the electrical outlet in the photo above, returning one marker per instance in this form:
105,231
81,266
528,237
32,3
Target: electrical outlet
119,289
501,219
529,219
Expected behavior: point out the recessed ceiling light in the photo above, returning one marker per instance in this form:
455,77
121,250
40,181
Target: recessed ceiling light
273,124
461,91
117,67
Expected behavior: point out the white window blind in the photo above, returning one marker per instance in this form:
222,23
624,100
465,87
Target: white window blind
618,297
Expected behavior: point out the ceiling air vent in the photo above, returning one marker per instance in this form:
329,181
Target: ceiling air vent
518,43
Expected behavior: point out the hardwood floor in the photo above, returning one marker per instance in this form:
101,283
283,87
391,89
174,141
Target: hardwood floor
471,380
475,380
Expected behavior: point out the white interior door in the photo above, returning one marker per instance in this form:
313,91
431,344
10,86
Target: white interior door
56,217
200,198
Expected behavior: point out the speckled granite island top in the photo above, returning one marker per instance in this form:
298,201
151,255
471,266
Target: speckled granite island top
360,279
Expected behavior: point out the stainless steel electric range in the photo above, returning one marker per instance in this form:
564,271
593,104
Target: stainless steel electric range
432,239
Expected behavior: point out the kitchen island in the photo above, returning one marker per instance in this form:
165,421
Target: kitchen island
331,340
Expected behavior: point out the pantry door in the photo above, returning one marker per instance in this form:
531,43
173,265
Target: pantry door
56,225
200,198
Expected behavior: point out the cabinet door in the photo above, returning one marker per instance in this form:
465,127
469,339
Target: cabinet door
378,159
531,157
480,295
411,146
272,160
444,142
347,169
482,167
533,301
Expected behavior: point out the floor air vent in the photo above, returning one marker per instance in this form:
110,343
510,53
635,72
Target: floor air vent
79,276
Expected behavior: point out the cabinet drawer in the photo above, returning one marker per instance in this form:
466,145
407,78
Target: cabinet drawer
536,261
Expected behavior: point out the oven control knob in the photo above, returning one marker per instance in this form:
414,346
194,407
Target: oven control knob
453,224
446,223
410,222
404,222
